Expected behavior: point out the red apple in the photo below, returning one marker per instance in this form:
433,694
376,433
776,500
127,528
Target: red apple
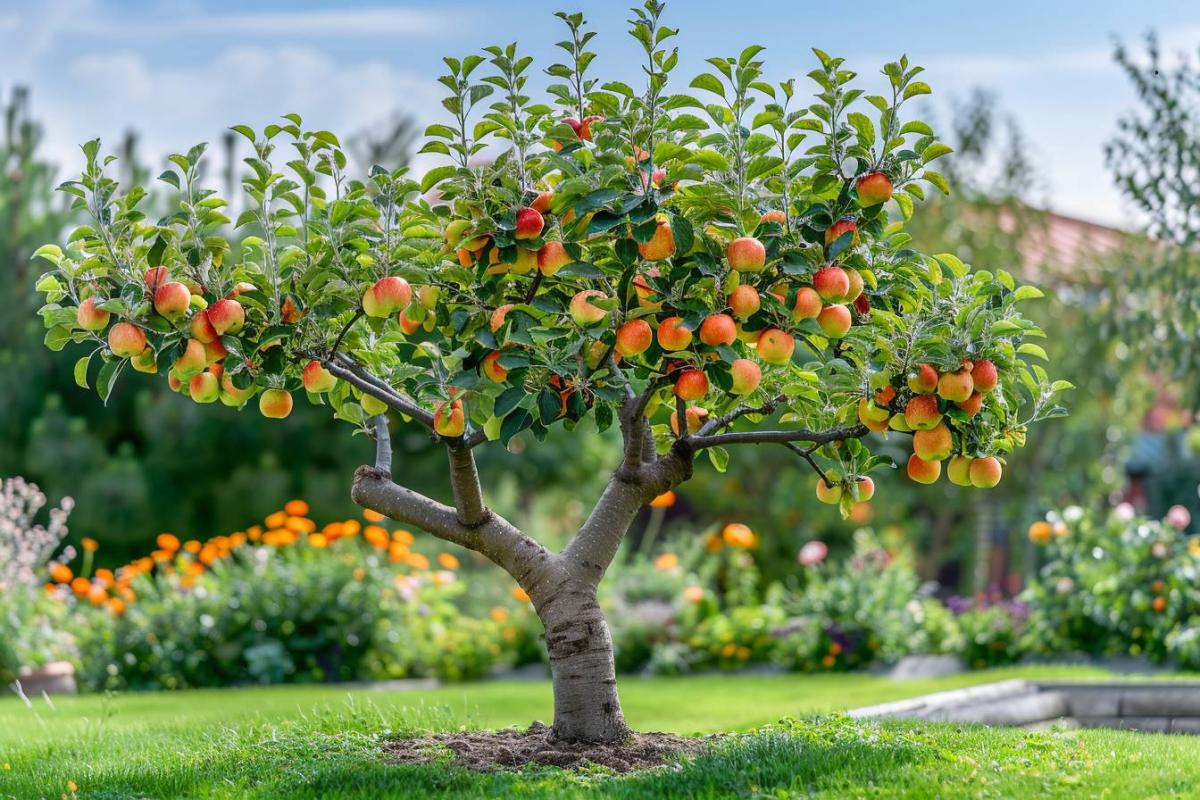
529,224
126,340
91,318
672,335
275,404
746,376
317,379
692,384
873,188
634,338
747,254
717,330
775,346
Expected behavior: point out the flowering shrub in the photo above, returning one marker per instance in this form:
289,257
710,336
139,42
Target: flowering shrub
1115,584
282,602
31,631
993,630
871,608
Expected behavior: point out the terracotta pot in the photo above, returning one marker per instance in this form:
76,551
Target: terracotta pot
57,677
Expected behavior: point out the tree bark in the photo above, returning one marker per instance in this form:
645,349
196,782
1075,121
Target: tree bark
586,706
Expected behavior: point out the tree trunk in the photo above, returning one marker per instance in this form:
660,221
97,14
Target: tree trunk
586,707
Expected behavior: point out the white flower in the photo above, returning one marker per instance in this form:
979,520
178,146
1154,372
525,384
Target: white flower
1124,512
1072,514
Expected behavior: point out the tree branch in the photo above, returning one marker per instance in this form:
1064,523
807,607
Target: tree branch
806,454
355,375
778,437
726,420
383,445
358,314
464,481
594,546
529,563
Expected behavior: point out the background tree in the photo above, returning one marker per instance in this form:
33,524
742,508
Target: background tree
625,259
1156,164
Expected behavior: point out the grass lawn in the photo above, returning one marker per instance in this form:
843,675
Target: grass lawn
316,742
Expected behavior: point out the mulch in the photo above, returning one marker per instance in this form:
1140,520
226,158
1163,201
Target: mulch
512,749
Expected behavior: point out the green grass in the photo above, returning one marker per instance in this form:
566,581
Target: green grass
312,742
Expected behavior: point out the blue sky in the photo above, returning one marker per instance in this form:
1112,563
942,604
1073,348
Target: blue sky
179,71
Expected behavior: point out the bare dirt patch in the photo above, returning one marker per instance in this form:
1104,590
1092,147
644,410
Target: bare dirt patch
512,749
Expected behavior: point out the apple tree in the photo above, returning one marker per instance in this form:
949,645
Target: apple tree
702,267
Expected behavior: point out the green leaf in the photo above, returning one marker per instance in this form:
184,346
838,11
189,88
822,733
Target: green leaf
935,150
917,88
51,252
81,370
1031,349
108,378
709,83
436,175
1027,293
719,457
510,399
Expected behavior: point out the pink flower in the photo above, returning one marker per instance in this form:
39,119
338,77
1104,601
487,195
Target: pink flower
1179,517
813,553
1124,512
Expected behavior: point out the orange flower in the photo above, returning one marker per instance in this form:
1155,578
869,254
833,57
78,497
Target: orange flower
403,536
97,596
351,527
738,535
300,525
192,546
187,581
376,536
373,516
729,650
162,555
194,568
828,661
712,543
447,561
61,573
333,530
417,561
1040,532
835,648
90,545
498,614
81,586
397,552
664,500
520,594
237,540
208,554
276,520
318,541
666,561
297,508
254,533
117,606
105,577
359,573
167,541
694,594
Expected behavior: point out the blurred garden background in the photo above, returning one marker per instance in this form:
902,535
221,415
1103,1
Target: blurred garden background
193,548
